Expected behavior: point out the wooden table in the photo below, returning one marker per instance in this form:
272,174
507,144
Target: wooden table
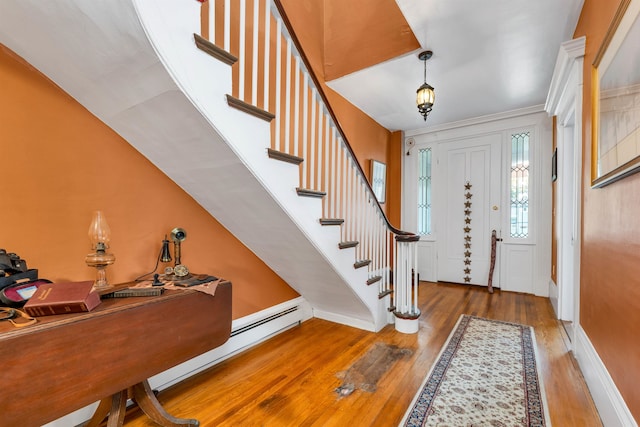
65,362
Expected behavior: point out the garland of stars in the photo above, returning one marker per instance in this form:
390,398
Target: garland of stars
467,231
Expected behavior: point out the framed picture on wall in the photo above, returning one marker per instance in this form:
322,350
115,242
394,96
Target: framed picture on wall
616,99
379,180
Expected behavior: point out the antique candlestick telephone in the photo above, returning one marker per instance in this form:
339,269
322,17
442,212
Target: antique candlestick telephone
179,270
179,274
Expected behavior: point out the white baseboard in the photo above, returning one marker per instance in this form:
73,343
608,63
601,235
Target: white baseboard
553,296
611,406
246,332
345,320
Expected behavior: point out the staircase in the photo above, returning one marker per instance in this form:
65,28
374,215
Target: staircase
276,171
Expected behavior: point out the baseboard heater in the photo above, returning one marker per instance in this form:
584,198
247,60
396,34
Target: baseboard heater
246,332
263,321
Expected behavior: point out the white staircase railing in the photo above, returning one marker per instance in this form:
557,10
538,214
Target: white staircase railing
273,74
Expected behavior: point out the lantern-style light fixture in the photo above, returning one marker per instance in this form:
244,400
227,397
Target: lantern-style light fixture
425,96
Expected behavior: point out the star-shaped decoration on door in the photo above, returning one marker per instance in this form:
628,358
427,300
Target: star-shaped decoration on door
467,230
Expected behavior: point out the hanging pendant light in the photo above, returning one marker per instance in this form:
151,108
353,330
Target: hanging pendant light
425,96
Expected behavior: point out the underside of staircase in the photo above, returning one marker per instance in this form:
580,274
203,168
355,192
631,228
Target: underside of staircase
135,65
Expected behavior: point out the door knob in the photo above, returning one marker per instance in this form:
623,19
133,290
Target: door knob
495,208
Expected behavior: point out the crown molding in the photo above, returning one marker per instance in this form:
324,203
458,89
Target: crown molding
477,120
569,52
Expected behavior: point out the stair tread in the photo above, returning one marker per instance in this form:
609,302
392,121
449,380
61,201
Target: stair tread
285,157
348,244
373,280
310,193
213,50
362,263
331,221
250,109
384,294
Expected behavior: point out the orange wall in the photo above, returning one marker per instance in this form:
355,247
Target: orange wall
60,163
361,33
610,264
367,138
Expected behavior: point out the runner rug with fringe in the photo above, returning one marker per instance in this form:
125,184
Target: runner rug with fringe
486,375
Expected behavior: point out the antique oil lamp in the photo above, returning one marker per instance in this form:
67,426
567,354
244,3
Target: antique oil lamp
99,236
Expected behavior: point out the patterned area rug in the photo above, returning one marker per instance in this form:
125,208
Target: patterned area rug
486,375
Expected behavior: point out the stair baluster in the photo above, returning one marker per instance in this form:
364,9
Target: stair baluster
305,129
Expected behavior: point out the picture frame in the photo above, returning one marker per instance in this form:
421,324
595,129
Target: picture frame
379,180
554,165
615,149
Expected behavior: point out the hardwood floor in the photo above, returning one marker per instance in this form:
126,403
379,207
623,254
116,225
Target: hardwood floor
291,379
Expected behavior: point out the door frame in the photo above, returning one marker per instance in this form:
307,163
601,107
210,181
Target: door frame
537,252
565,102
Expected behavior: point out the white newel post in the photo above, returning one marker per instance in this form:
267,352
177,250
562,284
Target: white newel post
405,284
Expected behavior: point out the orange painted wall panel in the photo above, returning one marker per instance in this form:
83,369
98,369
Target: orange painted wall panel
610,264
362,33
60,163
367,138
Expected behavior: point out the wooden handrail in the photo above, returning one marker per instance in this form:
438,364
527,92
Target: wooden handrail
339,178
307,64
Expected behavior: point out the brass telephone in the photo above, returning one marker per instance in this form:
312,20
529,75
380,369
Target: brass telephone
179,270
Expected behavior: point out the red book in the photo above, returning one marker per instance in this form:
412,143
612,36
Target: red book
62,298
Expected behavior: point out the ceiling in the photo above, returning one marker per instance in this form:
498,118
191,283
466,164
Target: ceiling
486,60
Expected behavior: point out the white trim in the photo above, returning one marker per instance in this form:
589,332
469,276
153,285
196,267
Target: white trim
609,402
407,326
553,296
541,128
565,101
345,320
477,120
568,53
235,344
240,342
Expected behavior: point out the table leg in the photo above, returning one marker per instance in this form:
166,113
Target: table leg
100,414
114,406
147,401
118,409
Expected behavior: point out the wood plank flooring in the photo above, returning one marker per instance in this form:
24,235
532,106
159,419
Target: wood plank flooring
291,379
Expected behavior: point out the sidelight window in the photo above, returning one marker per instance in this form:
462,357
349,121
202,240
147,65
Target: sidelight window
424,191
519,208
